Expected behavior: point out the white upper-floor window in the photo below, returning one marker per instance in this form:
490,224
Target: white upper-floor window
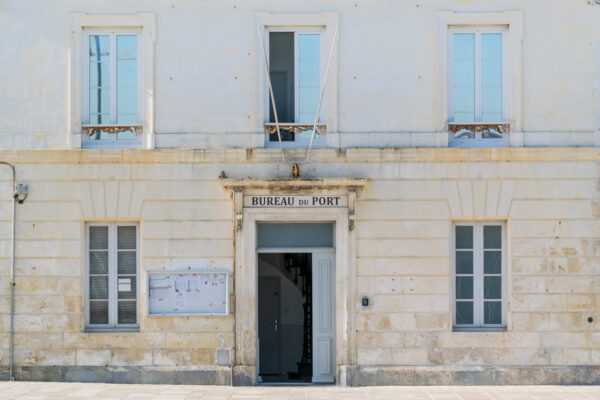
112,110
477,83
296,73
479,98
111,90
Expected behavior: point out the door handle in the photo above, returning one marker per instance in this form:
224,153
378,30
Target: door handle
275,325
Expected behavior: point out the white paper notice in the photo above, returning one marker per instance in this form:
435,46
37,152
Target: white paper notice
124,284
180,302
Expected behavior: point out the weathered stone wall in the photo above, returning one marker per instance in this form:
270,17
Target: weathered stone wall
549,198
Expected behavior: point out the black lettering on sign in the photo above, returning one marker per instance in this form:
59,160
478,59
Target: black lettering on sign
255,201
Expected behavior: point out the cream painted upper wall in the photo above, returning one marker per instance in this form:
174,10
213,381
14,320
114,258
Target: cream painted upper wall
206,65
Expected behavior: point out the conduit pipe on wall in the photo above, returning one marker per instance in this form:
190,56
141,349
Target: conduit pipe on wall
12,275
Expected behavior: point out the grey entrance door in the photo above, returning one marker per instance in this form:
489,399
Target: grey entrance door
268,324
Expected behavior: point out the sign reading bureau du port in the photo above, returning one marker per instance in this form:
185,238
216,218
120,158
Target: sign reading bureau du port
283,201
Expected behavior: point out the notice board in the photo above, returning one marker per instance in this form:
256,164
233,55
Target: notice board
192,292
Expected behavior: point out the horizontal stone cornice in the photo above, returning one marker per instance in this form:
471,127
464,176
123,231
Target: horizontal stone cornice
351,155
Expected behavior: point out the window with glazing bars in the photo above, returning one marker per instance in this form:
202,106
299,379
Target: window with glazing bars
479,275
112,73
477,82
112,272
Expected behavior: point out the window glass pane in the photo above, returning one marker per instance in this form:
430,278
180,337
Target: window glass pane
492,262
491,117
464,287
126,261
126,237
492,238
127,135
98,312
126,79
98,287
492,287
464,313
99,105
99,48
491,77
491,104
281,68
308,77
126,103
99,75
464,73
492,312
126,312
464,104
99,135
99,237
98,262
124,283
127,48
464,237
464,262
491,46
295,234
99,78
464,77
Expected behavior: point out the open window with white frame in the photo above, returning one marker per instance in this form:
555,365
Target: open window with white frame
112,87
477,76
479,275
112,270
296,69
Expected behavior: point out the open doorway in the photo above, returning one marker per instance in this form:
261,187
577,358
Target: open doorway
285,317
296,302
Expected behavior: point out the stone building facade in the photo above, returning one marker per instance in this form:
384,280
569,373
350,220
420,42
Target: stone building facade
447,220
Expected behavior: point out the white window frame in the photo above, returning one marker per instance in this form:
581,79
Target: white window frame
113,324
78,25
478,275
512,21
322,119
477,31
296,31
112,34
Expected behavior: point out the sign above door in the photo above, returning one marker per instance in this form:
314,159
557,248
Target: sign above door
294,201
320,194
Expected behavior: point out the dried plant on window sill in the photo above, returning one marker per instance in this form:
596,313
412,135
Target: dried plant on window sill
271,128
111,129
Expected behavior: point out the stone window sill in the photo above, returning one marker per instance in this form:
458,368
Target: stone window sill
479,329
111,330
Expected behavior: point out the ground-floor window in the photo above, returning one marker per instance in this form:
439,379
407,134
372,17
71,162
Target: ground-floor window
479,275
112,271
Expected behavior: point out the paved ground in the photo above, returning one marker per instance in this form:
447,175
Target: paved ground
57,390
